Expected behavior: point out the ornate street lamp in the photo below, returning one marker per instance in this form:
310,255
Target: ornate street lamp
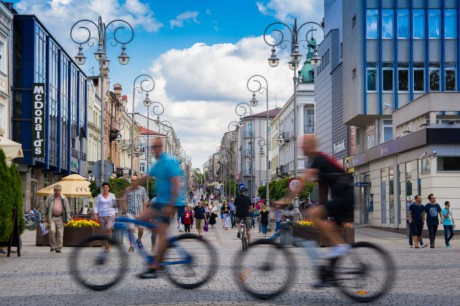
279,40
83,27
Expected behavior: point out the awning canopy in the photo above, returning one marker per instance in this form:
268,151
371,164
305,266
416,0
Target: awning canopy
12,149
74,186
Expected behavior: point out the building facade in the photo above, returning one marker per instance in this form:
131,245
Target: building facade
50,108
94,124
6,47
400,56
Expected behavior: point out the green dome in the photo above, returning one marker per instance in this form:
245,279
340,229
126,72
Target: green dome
308,70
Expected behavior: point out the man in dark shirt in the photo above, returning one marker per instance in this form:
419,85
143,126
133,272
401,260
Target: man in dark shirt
416,218
432,210
200,217
242,211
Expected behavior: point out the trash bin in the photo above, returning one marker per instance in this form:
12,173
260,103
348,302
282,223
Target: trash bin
286,234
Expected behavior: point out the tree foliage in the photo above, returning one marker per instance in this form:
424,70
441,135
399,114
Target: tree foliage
279,188
117,187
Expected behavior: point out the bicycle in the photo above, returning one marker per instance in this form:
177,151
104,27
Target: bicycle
30,223
355,274
242,234
189,262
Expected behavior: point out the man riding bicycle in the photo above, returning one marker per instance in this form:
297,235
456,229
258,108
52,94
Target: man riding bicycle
168,183
327,170
242,211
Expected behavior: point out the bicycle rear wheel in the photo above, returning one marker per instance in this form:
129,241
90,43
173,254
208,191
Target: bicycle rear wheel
265,269
201,261
94,268
366,274
244,241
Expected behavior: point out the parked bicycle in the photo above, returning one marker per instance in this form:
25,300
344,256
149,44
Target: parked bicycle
30,223
189,262
268,269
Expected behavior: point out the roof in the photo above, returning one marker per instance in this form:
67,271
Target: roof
271,113
144,131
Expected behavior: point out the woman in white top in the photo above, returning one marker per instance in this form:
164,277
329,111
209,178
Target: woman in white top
105,210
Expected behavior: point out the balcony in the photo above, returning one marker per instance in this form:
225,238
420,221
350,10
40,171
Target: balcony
75,153
83,156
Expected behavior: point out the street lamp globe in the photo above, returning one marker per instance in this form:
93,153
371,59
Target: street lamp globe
292,65
123,59
273,61
253,101
280,140
99,54
80,58
316,59
147,100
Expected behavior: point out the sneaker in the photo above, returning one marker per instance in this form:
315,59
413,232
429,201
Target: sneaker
448,245
140,245
424,245
338,251
149,274
58,251
51,250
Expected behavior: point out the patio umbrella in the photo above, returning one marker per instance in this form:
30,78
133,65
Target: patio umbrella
13,150
73,186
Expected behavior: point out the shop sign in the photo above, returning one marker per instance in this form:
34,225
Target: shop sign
38,120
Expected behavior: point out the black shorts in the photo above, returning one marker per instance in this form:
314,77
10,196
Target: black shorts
417,228
161,216
341,208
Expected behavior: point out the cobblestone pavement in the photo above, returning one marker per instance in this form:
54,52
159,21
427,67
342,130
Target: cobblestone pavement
424,277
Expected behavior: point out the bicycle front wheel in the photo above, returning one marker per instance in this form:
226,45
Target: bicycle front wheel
244,241
265,269
366,274
95,268
190,261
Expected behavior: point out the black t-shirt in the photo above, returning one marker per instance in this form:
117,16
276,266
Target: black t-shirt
417,212
264,217
242,204
331,173
199,212
432,212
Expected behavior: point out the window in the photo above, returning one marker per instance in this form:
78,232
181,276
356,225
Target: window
2,58
370,136
387,77
353,73
419,77
419,23
403,23
309,119
142,167
450,23
249,129
403,77
450,76
434,23
2,116
353,21
371,76
387,130
448,163
371,23
387,23
434,77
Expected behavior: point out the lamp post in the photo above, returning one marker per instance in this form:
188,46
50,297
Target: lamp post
236,126
256,80
101,56
262,143
146,79
157,110
242,109
295,57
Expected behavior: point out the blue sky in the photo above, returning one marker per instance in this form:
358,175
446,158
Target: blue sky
199,52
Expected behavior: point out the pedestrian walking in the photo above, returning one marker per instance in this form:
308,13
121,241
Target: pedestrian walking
136,202
449,223
225,215
105,211
264,219
56,213
416,219
200,217
212,214
278,217
433,210
410,228
187,219
231,207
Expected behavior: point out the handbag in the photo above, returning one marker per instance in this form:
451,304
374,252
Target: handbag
206,226
181,227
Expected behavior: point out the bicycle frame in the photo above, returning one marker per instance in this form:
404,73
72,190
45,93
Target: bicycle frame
121,225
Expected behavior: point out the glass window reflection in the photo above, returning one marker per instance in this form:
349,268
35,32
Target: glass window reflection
371,23
419,23
450,23
434,23
387,23
403,23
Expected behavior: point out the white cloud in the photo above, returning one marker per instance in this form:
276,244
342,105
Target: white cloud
200,87
184,17
287,10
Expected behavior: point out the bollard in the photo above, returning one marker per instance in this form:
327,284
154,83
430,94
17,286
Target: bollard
286,234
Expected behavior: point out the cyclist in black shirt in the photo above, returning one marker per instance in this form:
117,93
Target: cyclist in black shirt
242,211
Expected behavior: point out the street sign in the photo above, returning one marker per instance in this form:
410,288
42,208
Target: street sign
362,184
241,186
295,185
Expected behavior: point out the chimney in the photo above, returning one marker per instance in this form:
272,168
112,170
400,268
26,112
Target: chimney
117,91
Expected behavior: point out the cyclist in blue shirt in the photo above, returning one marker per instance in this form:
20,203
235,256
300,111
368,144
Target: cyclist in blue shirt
168,177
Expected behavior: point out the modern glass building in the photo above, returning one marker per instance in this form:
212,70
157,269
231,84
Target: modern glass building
39,59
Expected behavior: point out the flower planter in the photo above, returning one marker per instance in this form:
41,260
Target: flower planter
72,236
311,233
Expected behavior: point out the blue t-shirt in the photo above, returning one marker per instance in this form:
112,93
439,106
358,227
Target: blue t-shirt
163,170
417,212
447,220
231,206
432,211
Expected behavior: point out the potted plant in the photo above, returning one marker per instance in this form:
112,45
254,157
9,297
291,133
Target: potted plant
77,230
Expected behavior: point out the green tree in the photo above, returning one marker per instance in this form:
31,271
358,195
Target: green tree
117,187
6,200
16,194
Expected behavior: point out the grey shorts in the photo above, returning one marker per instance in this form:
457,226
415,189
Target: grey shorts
107,222
247,222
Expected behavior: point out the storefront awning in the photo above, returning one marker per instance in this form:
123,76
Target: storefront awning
12,149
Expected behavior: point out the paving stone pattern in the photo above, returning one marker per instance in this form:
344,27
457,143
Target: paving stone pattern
424,277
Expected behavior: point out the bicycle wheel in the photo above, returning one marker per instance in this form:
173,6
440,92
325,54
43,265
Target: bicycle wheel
244,241
202,261
94,268
366,274
265,269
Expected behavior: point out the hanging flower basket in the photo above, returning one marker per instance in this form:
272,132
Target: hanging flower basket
306,229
